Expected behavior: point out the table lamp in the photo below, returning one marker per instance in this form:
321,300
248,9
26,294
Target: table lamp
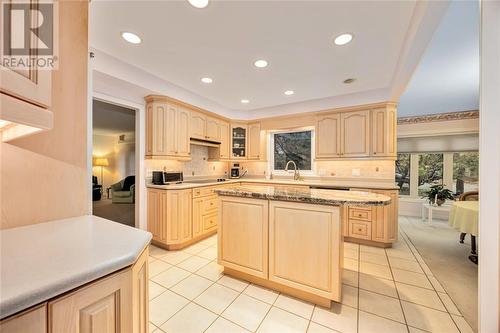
102,162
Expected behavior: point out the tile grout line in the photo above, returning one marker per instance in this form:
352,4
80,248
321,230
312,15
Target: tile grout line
397,292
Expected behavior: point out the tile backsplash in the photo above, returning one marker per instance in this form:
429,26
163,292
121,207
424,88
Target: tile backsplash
198,166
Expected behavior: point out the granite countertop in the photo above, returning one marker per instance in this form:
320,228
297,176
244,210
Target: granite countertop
313,196
41,261
308,182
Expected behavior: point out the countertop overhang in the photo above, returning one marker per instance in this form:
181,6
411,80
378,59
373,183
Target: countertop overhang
313,196
41,261
363,184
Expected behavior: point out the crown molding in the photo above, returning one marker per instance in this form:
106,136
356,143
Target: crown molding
460,115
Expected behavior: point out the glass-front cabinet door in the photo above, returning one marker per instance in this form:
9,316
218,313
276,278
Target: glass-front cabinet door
239,141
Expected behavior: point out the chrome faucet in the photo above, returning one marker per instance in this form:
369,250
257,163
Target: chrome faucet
296,172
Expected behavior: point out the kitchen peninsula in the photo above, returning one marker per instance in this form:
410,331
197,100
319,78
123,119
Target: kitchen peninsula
287,238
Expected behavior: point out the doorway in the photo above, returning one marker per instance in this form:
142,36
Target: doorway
114,141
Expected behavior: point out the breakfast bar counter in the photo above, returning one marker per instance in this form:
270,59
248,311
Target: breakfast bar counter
287,238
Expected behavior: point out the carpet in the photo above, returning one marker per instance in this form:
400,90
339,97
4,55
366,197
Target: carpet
119,212
439,246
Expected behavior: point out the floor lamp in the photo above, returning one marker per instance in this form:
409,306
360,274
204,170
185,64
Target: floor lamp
101,162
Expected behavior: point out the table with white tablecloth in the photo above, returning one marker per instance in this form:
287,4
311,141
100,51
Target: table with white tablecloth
464,216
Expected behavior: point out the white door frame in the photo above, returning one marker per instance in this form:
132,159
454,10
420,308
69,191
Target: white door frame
140,137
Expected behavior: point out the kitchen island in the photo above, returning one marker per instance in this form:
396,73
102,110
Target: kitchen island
287,238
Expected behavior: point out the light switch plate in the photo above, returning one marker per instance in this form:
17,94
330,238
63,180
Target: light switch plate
356,172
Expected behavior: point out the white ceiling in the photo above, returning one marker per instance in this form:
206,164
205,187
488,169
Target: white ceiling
110,119
447,78
181,44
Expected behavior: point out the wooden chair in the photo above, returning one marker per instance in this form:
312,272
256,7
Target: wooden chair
469,196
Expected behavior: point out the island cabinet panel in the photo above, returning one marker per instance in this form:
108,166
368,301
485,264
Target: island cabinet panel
103,306
31,321
304,247
140,293
355,134
243,235
328,136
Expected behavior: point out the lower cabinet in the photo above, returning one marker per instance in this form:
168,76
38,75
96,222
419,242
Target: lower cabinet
115,303
304,247
243,235
177,218
288,246
378,225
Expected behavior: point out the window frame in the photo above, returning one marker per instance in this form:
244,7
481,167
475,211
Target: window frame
270,166
447,172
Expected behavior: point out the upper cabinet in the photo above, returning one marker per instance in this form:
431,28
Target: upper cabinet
239,141
212,130
254,141
167,131
355,134
198,125
225,142
328,136
384,132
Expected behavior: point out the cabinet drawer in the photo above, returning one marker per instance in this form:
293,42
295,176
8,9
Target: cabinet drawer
209,204
360,214
203,191
209,221
360,229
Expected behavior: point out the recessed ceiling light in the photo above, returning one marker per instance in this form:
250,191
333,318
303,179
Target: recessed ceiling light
131,38
289,92
343,39
206,80
198,3
260,63
245,101
347,81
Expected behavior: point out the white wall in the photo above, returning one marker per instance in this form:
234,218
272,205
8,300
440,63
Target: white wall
489,169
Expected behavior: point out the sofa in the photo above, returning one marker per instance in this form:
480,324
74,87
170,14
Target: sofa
124,190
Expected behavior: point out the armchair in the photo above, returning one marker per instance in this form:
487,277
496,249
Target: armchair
124,190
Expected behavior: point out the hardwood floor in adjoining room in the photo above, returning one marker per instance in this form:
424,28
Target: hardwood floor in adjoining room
384,290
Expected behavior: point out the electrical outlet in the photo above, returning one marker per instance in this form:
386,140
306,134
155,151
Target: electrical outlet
356,172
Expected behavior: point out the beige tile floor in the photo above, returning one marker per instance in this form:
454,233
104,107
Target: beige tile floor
389,290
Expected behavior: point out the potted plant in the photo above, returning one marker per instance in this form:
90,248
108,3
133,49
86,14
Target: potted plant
438,195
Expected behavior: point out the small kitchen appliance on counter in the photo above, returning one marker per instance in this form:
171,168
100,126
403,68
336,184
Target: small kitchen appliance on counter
235,170
166,178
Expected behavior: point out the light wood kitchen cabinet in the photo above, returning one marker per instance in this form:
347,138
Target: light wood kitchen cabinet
156,201
178,216
198,125
328,136
213,131
224,149
304,243
239,139
243,235
383,142
378,225
254,141
33,320
183,117
355,133
167,131
29,86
